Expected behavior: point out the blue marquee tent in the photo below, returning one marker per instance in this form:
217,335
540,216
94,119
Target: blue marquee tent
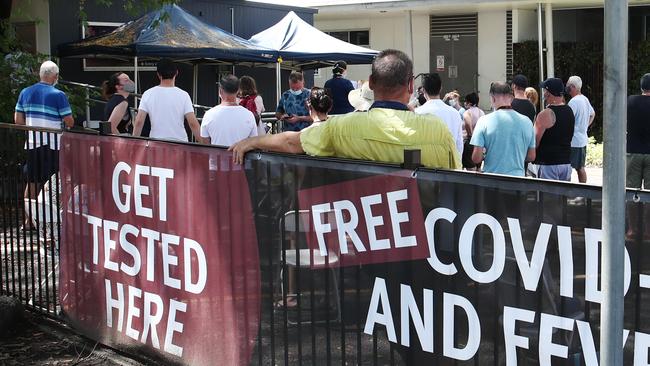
169,32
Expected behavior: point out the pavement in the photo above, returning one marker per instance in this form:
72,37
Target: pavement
594,176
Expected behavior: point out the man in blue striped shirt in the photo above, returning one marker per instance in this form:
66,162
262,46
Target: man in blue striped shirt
42,105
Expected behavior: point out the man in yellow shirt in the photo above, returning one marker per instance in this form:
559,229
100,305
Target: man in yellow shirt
380,134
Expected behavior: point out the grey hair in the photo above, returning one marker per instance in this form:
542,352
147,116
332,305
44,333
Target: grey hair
48,68
575,81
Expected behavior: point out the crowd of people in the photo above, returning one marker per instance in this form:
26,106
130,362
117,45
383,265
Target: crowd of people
373,120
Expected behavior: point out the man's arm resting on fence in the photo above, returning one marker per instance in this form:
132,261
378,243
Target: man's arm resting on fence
19,118
287,142
139,122
68,121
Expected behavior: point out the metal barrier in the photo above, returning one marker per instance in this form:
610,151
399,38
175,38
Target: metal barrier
315,309
267,117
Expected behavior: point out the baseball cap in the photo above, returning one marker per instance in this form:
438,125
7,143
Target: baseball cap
520,81
645,82
554,86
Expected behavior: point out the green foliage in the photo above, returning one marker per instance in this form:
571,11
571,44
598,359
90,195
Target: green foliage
18,70
594,154
585,60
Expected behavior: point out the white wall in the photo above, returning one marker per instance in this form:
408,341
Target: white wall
524,25
491,52
389,31
37,11
386,31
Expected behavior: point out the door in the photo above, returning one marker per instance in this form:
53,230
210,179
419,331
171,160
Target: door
454,52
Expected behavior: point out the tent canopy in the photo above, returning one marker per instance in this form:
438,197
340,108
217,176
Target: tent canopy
297,41
169,32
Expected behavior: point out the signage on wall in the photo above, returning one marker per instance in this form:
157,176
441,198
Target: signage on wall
440,63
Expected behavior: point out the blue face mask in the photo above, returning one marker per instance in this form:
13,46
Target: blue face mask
296,92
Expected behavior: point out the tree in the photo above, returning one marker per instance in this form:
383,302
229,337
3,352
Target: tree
19,69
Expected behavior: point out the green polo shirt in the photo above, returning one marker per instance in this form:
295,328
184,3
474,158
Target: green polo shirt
382,134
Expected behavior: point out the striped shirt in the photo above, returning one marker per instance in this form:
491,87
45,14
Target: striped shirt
43,106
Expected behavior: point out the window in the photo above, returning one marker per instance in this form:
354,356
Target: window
92,29
356,37
26,35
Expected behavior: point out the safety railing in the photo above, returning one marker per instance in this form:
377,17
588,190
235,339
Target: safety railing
89,99
397,267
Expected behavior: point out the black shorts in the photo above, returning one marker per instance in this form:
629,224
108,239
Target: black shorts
41,163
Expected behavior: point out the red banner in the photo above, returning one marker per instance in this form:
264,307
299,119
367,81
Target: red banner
158,249
371,220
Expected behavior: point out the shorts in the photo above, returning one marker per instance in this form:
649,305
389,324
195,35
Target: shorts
41,163
555,172
638,171
578,157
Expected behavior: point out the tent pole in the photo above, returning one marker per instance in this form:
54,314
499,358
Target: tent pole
540,46
278,84
278,88
195,83
135,76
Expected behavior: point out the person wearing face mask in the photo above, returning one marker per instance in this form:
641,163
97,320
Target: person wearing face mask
292,109
116,91
339,87
453,99
506,136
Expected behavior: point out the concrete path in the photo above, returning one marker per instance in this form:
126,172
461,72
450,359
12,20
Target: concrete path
594,176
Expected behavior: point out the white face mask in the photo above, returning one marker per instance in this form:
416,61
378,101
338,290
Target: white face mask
296,92
452,102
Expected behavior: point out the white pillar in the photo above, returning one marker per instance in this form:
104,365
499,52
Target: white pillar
409,33
550,65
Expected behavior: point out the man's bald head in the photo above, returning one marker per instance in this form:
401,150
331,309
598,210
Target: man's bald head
392,74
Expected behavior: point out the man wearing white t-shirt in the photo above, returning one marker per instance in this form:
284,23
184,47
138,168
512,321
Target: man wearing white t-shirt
432,85
228,122
584,114
167,107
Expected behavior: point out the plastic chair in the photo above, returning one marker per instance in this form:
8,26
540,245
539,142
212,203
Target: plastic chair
306,258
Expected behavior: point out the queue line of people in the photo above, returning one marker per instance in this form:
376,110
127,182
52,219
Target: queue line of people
499,140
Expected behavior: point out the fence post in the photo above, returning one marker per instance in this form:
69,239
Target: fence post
87,107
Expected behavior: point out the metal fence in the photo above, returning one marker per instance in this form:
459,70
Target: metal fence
316,313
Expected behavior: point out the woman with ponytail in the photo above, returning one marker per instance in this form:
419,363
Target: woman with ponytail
116,91
320,104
